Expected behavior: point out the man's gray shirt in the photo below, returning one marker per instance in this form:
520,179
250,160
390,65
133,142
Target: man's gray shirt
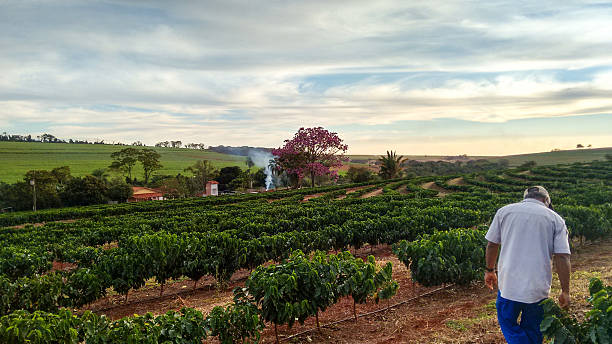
529,234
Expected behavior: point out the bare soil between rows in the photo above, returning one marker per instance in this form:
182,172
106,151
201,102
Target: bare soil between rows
457,314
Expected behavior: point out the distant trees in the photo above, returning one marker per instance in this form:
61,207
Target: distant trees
48,138
57,188
249,162
163,144
203,171
359,174
149,159
390,165
179,144
609,156
580,145
118,190
126,159
47,190
84,191
413,168
311,152
100,173
16,138
227,175
195,146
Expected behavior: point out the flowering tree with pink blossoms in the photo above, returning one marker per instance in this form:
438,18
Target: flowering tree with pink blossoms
313,152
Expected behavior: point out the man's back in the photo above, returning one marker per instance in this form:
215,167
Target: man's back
529,234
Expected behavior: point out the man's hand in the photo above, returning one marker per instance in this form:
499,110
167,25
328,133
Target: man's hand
564,299
491,260
491,279
563,266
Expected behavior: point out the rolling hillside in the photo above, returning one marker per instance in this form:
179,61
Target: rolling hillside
20,157
544,158
559,157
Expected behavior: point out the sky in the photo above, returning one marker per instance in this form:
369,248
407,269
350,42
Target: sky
418,77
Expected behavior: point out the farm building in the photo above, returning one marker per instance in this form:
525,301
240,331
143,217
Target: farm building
145,194
212,189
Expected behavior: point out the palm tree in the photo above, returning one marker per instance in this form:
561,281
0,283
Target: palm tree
390,165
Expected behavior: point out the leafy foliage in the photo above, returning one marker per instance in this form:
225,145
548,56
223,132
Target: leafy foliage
186,327
301,287
455,256
238,321
561,327
390,165
311,151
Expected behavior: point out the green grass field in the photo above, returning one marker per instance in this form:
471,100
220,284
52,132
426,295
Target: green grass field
560,157
16,158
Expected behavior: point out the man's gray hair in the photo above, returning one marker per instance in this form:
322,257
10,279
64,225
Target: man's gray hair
537,192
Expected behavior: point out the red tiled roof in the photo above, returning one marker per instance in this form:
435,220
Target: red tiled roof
145,193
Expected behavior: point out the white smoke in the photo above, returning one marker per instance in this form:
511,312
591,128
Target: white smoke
261,158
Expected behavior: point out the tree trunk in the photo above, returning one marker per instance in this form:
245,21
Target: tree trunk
161,290
276,333
355,310
312,176
318,325
195,284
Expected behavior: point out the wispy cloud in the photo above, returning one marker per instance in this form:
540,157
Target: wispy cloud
238,72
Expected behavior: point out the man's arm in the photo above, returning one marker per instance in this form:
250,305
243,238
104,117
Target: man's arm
491,260
564,267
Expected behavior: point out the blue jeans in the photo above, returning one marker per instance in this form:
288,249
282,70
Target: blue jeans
528,331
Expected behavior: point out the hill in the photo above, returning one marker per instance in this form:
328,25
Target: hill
558,157
20,157
543,158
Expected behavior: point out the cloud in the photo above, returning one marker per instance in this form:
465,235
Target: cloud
238,72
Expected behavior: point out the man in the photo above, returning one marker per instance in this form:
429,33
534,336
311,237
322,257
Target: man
530,234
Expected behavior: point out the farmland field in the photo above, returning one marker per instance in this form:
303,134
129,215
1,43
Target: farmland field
544,158
19,157
127,259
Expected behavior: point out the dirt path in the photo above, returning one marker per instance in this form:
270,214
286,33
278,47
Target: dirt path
39,224
457,181
351,190
309,197
176,296
432,186
372,193
457,314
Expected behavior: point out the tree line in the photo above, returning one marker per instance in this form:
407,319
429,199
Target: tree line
58,188
45,138
393,166
48,138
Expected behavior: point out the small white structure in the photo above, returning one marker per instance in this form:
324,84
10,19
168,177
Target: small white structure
212,188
